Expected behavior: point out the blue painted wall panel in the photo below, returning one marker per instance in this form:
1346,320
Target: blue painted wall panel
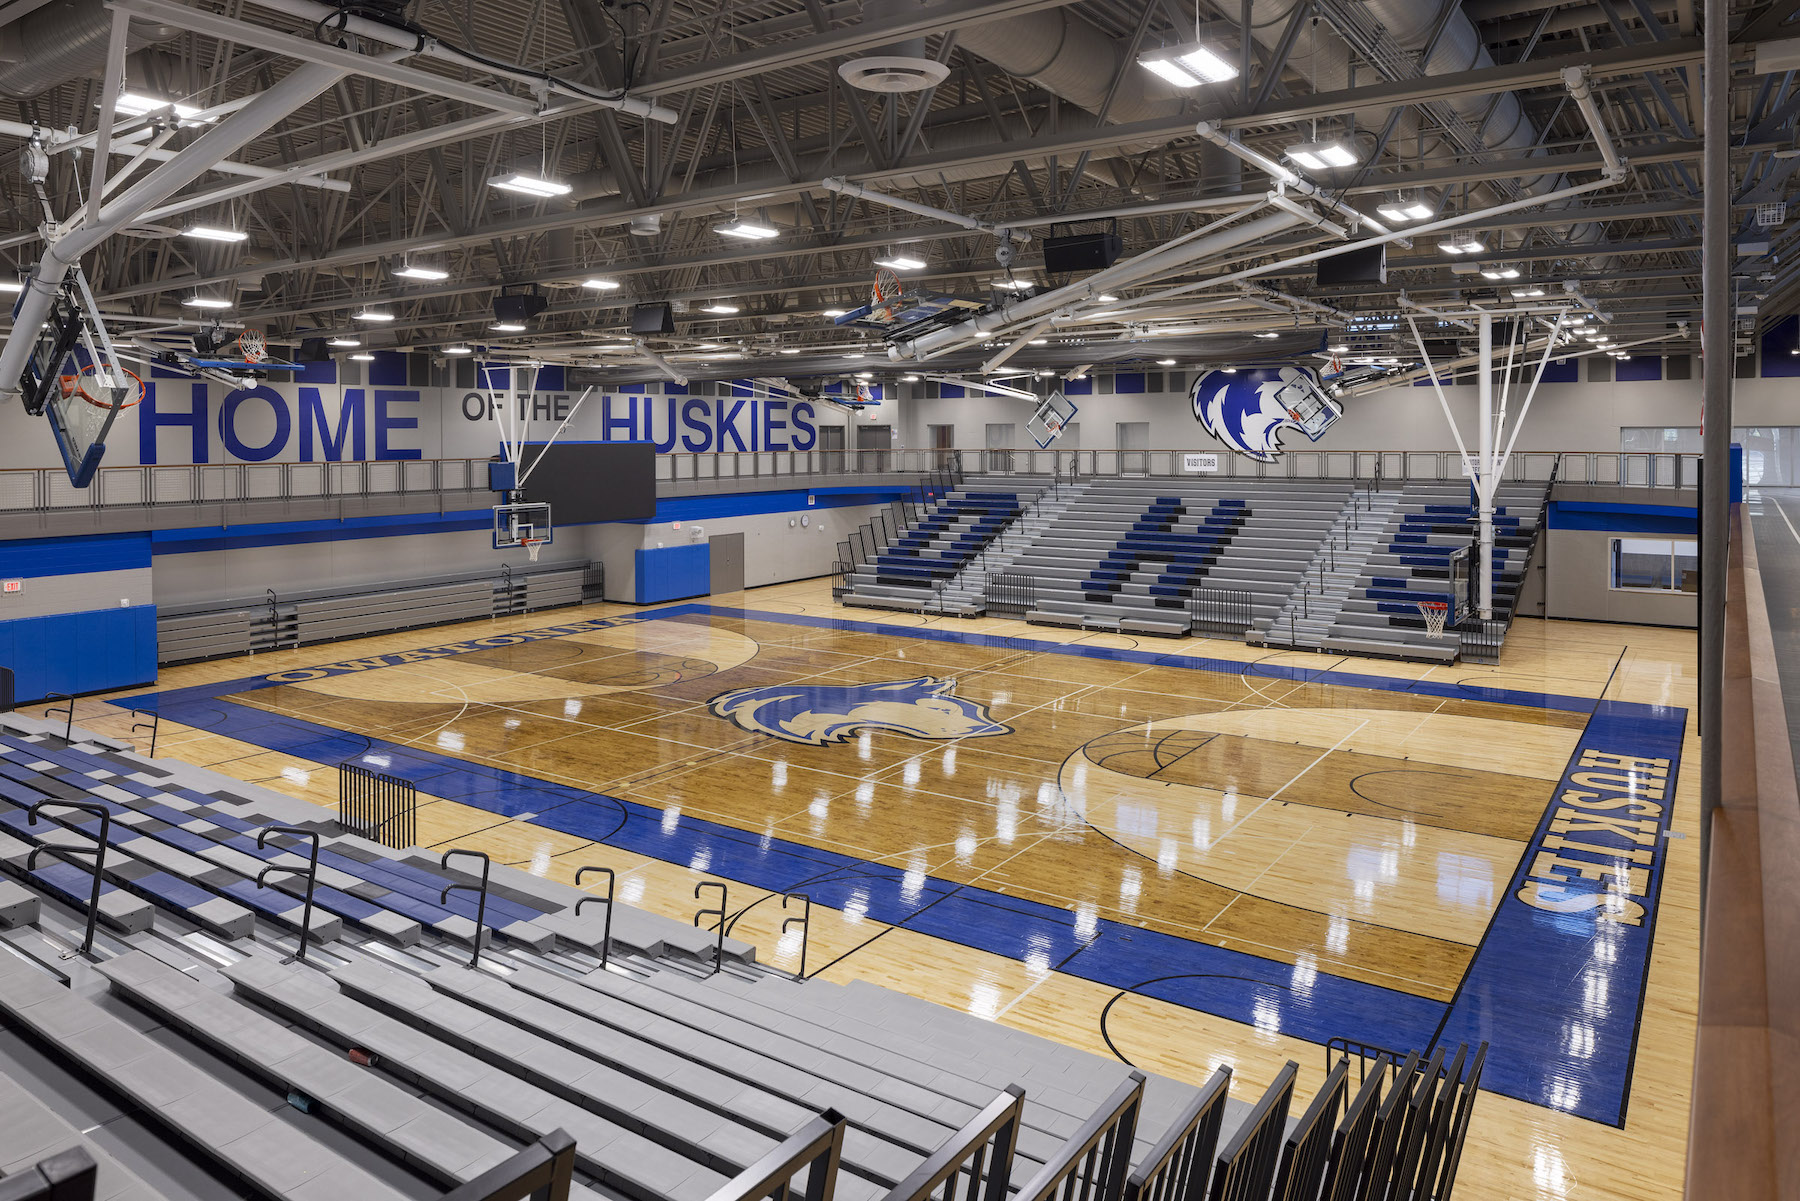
673,572
95,651
34,558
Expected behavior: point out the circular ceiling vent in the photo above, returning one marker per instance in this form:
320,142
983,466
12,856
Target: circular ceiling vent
893,73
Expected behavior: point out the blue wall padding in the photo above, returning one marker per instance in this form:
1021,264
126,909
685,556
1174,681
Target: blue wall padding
34,558
672,572
74,653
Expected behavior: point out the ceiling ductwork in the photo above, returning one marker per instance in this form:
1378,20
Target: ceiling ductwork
64,40
900,67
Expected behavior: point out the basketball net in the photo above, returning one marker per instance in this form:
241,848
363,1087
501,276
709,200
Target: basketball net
252,346
531,547
1435,614
885,294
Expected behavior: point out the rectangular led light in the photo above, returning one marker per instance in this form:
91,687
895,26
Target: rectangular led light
206,302
724,310
747,229
412,272
507,327
531,185
601,285
135,104
1463,245
344,342
901,263
1189,66
458,350
212,233
11,285
363,358
373,315
1527,293
1322,156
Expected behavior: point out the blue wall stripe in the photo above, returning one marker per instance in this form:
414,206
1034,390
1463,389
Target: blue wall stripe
33,558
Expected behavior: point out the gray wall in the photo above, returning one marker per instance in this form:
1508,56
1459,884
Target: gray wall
776,547
1577,579
42,596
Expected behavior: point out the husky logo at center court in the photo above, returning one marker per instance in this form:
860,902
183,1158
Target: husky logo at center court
820,714
1246,409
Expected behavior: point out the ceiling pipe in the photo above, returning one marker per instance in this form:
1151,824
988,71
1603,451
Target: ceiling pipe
838,183
63,41
1144,266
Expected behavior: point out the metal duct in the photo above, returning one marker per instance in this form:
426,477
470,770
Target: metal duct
63,40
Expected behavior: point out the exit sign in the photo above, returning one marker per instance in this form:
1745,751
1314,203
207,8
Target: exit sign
14,585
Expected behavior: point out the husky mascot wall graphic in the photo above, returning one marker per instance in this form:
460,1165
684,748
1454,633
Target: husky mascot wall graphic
821,714
1247,409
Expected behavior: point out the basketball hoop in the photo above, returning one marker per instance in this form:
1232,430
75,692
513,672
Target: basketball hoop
886,293
531,547
1435,614
252,346
79,382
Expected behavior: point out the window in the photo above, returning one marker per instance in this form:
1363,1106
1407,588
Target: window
1655,565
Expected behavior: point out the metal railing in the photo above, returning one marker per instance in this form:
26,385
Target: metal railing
541,1172
1220,611
379,807
1306,1154
1246,1169
975,1163
1091,1165
48,488
814,1149
1010,594
1180,1163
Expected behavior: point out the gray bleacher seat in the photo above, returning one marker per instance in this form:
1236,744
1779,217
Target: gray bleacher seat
233,1130
18,906
443,1146
620,1158
30,1132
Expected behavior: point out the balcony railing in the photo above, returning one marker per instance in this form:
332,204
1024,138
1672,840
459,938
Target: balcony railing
47,488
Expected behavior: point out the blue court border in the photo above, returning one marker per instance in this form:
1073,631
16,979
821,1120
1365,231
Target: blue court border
1296,1000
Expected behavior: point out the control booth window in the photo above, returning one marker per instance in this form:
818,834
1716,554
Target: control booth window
1655,565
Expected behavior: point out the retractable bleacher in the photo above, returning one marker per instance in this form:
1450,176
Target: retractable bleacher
382,1066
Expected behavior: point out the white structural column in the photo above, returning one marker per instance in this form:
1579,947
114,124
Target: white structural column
1484,467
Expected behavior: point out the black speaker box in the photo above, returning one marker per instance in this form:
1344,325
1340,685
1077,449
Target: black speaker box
1081,252
1366,266
313,350
519,306
652,319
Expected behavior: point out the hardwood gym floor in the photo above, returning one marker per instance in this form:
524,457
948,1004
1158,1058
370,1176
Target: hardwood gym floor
1181,853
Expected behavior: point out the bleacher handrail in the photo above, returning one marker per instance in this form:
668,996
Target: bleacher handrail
1094,1160
542,1171
607,900
1180,1163
1247,1163
311,873
815,1148
47,489
983,1148
101,841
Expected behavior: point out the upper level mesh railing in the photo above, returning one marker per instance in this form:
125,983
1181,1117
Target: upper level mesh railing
48,488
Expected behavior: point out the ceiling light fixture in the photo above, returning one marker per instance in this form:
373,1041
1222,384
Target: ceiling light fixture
1322,156
412,271
507,327
832,313
1165,362
790,350
363,358
11,285
213,233
1499,273
1527,292
344,342
1267,334
1401,210
724,310
909,379
755,231
531,185
372,315
601,285
901,262
1189,65
206,302
458,350
1107,298
134,104
1462,243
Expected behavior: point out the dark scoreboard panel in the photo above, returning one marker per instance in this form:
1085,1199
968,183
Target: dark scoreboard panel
591,481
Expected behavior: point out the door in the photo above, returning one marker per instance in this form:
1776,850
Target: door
831,447
1134,447
872,443
942,439
727,552
1001,437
